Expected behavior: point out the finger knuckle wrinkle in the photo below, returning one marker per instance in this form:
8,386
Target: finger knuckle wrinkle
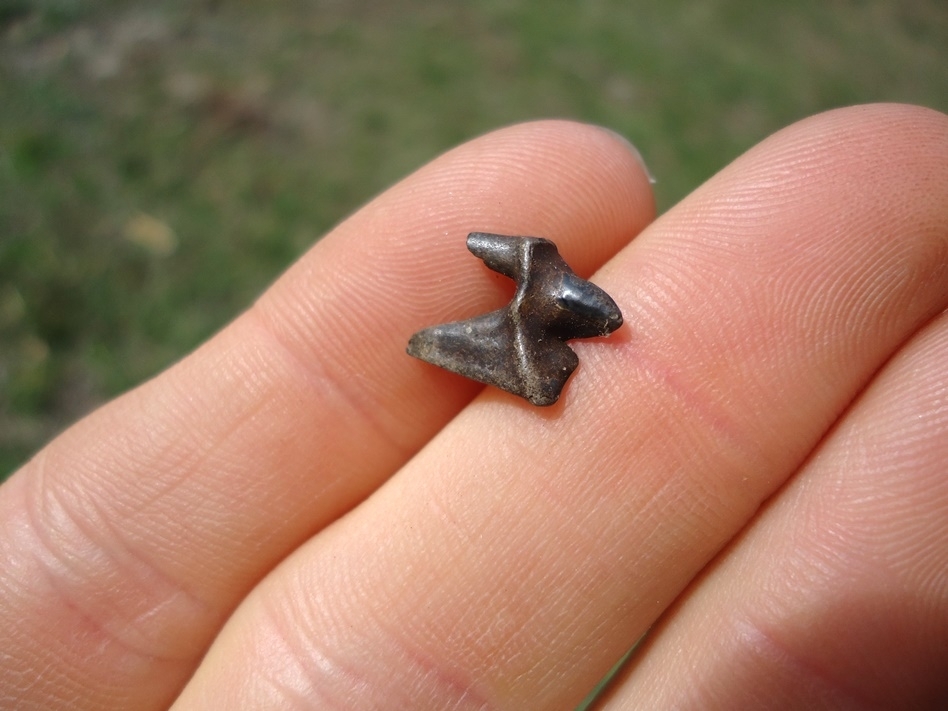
767,644
336,383
329,664
94,579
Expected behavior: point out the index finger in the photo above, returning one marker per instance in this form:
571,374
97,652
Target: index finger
130,538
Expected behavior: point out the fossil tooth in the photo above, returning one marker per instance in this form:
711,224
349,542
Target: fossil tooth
522,348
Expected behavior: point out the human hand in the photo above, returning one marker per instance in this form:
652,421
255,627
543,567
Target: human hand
755,464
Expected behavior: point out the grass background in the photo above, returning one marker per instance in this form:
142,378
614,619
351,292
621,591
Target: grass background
161,162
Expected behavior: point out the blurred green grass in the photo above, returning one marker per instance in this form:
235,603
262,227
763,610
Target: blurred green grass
162,162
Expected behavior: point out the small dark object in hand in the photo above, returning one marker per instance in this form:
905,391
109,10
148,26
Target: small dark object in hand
521,348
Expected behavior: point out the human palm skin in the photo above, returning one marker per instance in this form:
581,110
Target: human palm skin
298,515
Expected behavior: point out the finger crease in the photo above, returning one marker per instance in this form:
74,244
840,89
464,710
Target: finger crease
93,570
341,388
765,644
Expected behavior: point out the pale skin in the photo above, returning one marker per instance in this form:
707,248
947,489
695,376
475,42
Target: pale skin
299,515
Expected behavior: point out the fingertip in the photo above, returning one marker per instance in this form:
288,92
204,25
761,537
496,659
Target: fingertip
583,186
869,141
633,149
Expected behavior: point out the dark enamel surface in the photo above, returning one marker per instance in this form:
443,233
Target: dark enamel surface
521,348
